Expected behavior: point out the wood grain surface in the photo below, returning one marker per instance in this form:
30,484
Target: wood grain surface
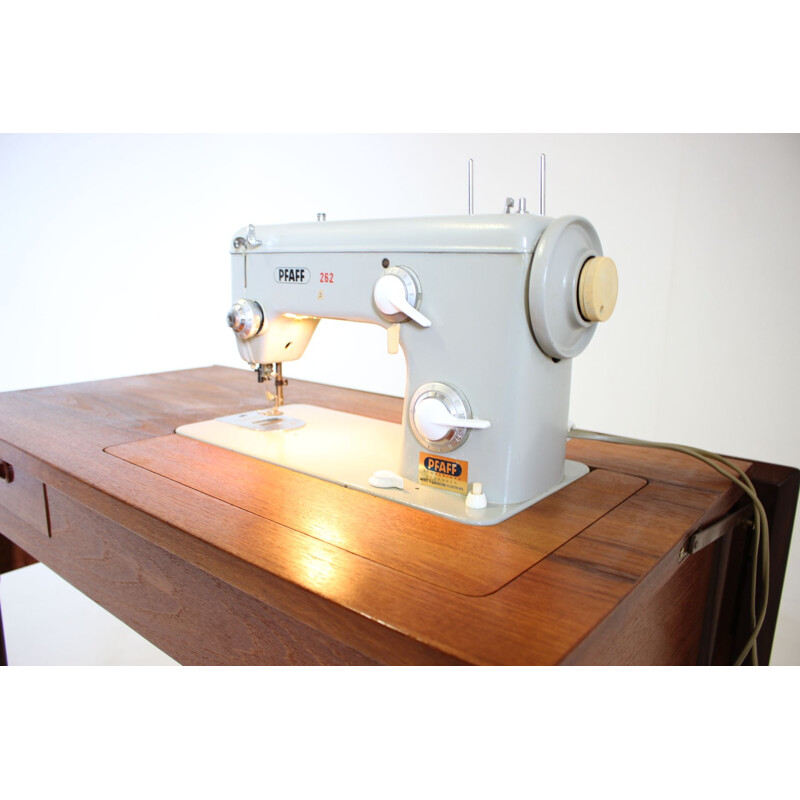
468,559
209,621
585,578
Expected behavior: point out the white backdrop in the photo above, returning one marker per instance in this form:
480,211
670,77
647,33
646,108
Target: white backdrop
114,261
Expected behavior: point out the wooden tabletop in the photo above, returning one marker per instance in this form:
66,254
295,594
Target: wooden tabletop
592,574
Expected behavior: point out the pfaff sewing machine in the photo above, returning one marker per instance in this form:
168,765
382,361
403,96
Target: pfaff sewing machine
489,311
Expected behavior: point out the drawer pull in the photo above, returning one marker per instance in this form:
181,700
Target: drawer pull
6,472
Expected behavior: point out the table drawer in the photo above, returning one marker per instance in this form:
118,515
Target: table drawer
22,497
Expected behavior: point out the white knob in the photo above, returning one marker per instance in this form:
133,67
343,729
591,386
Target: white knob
434,421
476,498
390,298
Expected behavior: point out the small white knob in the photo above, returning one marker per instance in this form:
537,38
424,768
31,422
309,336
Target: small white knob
434,421
476,498
390,298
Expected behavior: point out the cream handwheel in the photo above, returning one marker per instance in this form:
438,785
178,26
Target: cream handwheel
597,289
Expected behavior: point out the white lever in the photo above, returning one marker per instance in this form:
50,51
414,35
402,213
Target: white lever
393,338
386,479
390,298
433,419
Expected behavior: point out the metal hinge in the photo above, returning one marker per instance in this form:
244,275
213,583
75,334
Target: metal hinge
743,518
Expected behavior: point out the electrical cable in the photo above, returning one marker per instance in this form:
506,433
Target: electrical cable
760,548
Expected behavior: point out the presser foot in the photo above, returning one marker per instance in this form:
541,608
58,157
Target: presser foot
275,411
274,372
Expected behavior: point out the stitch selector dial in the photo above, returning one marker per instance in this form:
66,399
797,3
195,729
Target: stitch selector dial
397,296
440,417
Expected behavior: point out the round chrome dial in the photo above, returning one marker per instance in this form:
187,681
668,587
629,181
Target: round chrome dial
410,286
451,417
245,318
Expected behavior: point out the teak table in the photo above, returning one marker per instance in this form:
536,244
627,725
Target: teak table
220,559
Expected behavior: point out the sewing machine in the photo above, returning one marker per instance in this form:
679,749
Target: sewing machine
489,311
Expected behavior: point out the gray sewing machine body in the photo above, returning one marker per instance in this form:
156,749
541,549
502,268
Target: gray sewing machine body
497,318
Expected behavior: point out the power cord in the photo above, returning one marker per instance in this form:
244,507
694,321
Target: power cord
761,527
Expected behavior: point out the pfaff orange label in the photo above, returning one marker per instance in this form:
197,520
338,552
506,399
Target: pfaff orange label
443,473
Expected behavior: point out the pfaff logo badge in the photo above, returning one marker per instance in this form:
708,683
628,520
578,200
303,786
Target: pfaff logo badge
443,466
292,275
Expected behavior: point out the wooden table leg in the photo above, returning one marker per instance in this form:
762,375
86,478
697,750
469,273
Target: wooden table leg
3,657
777,488
11,557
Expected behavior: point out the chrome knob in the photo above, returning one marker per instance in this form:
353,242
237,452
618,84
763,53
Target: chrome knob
245,318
